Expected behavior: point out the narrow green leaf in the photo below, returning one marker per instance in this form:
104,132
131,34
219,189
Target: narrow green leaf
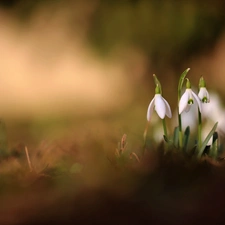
206,150
215,136
200,151
176,137
214,149
186,138
181,80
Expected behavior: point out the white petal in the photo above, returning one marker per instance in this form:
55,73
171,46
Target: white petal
150,109
203,93
198,101
207,95
183,101
160,106
168,110
188,107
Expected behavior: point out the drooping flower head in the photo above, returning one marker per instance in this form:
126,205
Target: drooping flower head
203,93
188,98
160,105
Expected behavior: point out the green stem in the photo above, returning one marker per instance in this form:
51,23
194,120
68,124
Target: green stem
199,129
180,84
180,131
164,127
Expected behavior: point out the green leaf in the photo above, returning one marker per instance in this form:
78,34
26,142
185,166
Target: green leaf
214,149
206,150
181,81
176,137
186,138
215,136
205,142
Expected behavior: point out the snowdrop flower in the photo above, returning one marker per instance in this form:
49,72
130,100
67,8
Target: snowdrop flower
203,93
160,105
188,98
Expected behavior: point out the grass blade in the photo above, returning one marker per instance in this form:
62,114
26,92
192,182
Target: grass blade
186,138
205,142
181,81
214,149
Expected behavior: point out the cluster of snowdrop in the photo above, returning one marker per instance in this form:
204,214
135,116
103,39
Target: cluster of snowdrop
185,102
162,107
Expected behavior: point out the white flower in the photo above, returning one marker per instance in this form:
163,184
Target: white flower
161,107
187,99
203,95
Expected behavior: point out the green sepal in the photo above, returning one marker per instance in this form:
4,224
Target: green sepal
157,83
158,90
188,84
202,82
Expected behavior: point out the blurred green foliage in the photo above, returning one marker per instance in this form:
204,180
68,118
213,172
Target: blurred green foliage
167,31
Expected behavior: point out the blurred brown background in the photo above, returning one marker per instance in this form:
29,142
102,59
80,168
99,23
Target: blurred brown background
74,77
62,60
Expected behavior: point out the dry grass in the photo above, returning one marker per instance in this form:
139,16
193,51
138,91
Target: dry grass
83,179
